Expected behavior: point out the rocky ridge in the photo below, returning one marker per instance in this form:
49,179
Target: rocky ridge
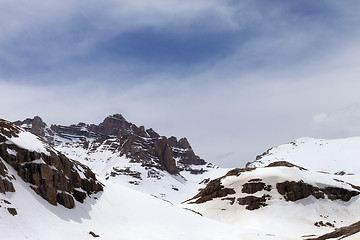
119,151
117,134
50,174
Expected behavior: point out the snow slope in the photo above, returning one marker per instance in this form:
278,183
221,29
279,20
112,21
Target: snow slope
112,167
317,154
278,217
117,213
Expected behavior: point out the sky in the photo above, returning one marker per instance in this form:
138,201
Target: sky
234,77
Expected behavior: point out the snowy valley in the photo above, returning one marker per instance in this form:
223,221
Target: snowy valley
116,180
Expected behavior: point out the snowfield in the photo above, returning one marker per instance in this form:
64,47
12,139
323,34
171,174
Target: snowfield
148,204
29,141
332,156
173,188
118,213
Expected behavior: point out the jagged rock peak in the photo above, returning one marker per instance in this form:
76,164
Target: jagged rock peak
117,116
34,125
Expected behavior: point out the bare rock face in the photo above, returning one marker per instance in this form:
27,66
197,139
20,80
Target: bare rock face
182,150
52,175
137,143
5,180
293,191
253,202
340,233
165,155
255,185
35,126
213,189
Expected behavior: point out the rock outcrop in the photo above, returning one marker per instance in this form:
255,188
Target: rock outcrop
51,174
244,187
340,233
293,191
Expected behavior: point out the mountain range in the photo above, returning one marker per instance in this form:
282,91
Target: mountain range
116,180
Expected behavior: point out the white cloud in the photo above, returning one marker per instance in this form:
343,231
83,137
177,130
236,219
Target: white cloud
344,122
225,107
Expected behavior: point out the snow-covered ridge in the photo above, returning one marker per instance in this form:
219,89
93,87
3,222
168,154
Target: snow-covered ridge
30,142
301,202
23,139
333,156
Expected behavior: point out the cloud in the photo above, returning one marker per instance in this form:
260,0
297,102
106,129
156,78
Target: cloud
344,122
232,77
130,38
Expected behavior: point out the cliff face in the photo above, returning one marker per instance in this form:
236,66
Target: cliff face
52,175
140,145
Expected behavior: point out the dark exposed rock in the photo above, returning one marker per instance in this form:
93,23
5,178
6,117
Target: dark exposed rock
253,187
93,234
165,155
253,202
335,193
35,126
340,173
48,173
238,171
79,196
152,133
65,199
284,164
213,189
12,211
205,181
293,191
5,180
182,150
340,233
324,224
126,171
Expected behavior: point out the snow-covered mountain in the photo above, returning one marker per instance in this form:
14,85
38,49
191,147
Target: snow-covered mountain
123,153
283,199
109,181
301,189
337,156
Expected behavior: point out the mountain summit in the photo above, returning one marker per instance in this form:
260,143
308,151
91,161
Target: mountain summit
119,150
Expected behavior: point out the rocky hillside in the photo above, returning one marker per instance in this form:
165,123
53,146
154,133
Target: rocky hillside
302,202
122,152
49,173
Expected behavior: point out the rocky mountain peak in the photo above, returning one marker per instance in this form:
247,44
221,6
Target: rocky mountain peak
34,125
38,127
116,125
136,143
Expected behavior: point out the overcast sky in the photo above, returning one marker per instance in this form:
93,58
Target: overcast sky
234,77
